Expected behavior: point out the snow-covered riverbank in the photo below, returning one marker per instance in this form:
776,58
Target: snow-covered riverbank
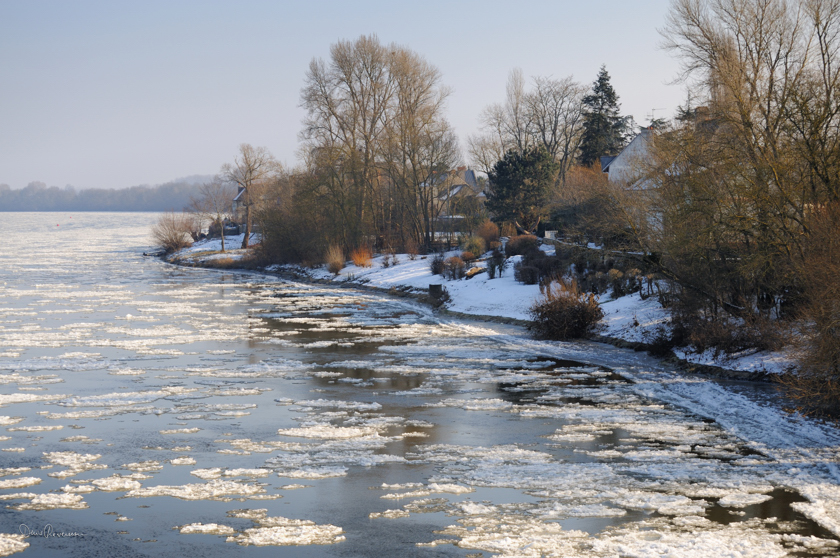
629,318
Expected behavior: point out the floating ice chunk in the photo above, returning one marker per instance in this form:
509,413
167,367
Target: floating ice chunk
53,502
12,398
206,529
10,544
473,508
83,439
35,428
402,486
212,490
666,504
13,471
181,431
75,462
433,488
21,482
315,473
657,539
78,489
182,461
582,510
355,405
126,372
18,379
474,404
514,535
232,413
742,500
233,391
7,421
149,466
116,483
124,398
326,431
291,534
389,514
218,472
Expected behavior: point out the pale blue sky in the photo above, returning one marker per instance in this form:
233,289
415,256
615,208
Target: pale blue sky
112,94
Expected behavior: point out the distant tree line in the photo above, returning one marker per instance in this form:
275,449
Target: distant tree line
37,196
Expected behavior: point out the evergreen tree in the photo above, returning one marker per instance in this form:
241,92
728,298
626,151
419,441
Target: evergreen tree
603,127
518,187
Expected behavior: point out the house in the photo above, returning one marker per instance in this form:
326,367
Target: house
459,184
451,195
238,206
627,166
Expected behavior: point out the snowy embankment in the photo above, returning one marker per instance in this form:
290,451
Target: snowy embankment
629,318
210,250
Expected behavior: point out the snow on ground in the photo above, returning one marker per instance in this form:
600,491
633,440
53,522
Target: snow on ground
479,296
210,249
629,318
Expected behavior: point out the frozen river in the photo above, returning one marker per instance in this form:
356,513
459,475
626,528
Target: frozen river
150,410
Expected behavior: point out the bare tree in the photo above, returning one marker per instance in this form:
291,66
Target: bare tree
173,231
252,169
348,101
373,136
214,203
421,146
555,110
549,116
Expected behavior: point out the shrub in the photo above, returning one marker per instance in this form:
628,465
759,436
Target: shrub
489,231
172,231
564,312
335,259
467,256
616,279
725,337
411,249
527,274
496,263
454,268
522,245
436,264
361,257
816,385
473,244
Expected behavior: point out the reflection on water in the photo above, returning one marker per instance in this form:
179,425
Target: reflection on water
160,410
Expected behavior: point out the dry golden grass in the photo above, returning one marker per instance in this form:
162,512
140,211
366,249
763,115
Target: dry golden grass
335,259
362,257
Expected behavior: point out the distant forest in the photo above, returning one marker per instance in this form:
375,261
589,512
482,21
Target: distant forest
37,196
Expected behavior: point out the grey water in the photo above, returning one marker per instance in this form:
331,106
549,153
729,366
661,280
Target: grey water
139,398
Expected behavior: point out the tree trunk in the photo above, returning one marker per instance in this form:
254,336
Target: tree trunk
247,219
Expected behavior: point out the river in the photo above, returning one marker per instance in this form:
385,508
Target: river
154,410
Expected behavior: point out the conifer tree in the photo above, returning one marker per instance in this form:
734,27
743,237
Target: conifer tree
518,187
603,127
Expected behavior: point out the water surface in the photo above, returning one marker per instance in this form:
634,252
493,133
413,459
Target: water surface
152,410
